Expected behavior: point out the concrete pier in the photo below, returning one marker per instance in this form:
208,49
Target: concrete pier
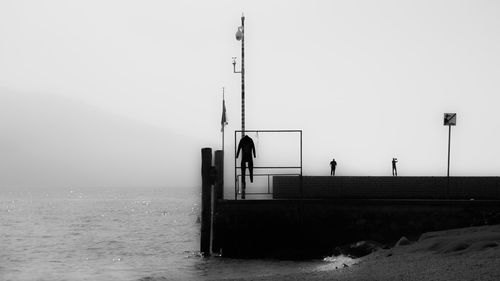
335,211
313,228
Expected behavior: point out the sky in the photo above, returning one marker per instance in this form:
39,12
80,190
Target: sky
126,93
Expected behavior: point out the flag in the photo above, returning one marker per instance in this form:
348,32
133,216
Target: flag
223,121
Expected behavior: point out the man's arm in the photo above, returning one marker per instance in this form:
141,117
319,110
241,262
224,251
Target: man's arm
253,149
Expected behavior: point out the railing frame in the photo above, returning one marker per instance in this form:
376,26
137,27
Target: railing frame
269,175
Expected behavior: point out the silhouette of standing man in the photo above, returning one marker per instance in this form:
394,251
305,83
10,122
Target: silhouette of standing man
247,147
333,166
394,169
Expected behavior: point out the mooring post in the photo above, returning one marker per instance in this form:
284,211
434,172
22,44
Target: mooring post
206,200
218,195
219,179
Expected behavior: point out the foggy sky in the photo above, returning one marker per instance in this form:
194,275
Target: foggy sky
112,93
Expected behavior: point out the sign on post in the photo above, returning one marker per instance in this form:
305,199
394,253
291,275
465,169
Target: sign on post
450,119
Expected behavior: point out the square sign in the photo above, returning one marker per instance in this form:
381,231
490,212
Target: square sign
450,119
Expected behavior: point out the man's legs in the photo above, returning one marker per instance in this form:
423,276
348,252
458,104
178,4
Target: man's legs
250,168
243,183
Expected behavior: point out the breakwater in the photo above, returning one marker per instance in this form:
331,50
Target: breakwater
312,228
311,216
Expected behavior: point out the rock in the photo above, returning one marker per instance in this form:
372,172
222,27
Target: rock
358,249
403,241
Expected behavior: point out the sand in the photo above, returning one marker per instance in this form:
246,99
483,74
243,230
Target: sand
459,254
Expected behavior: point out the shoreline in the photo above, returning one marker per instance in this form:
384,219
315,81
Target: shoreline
471,253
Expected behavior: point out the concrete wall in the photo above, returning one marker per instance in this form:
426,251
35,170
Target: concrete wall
387,187
313,228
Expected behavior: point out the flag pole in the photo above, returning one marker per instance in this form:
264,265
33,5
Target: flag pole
223,125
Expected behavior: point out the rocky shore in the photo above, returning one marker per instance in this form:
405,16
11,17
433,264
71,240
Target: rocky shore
459,254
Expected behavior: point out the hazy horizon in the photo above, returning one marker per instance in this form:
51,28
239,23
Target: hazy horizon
122,93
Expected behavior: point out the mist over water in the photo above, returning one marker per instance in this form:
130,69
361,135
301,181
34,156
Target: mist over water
53,141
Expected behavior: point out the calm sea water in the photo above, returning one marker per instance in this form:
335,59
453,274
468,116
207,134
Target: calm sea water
114,234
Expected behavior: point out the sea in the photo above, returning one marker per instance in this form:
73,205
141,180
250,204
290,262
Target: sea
140,234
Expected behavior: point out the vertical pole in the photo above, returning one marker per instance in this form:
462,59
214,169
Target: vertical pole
301,152
235,171
243,77
448,173
206,200
268,184
301,182
218,195
219,179
449,142
223,125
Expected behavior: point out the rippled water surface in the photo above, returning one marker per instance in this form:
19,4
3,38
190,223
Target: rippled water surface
113,234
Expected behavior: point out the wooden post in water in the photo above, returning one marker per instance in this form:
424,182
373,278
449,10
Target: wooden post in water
218,194
219,179
206,200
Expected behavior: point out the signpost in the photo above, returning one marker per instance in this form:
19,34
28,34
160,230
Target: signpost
450,119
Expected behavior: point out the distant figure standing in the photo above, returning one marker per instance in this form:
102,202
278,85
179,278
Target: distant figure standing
394,169
247,146
333,166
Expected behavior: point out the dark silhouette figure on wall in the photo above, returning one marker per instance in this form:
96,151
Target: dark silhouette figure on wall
247,147
333,166
394,169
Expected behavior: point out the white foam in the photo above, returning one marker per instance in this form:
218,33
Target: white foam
337,262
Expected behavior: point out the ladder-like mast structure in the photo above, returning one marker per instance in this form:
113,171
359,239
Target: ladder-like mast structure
240,36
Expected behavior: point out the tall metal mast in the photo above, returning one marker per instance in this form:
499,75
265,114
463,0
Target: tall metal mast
240,36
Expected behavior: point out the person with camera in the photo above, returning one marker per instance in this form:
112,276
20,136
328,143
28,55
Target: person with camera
394,169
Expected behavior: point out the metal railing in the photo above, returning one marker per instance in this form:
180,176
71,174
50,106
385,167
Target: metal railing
237,176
